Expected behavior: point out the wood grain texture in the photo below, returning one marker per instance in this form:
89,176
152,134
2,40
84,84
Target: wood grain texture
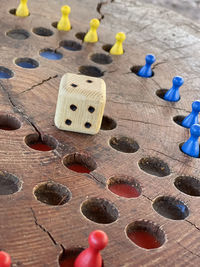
34,233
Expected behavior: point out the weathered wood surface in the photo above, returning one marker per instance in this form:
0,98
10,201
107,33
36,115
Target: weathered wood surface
34,233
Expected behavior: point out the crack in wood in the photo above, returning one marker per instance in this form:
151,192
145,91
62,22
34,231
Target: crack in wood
40,83
193,224
144,122
188,249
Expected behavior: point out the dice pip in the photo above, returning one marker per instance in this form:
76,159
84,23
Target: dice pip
80,104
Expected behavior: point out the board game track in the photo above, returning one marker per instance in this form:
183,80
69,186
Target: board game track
46,207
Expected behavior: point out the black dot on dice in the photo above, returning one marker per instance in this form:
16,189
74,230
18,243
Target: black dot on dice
73,107
68,122
91,109
87,125
74,85
89,81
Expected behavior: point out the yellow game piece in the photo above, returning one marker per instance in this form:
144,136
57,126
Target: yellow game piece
22,10
64,23
91,36
117,48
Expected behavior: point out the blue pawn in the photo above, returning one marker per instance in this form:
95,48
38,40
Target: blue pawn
193,117
172,94
191,146
146,70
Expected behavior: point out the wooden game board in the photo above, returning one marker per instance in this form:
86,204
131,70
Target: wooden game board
35,233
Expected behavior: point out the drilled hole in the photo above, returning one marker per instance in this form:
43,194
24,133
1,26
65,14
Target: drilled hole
87,125
101,58
27,63
18,34
46,143
9,183
79,163
41,31
135,70
170,208
154,166
13,11
68,122
9,123
71,45
80,35
50,54
68,257
188,185
91,109
178,119
54,24
5,73
73,107
161,93
91,71
108,123
124,144
52,193
145,234
99,210
124,186
107,47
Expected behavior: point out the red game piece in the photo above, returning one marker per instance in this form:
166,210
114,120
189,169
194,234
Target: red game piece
91,257
5,260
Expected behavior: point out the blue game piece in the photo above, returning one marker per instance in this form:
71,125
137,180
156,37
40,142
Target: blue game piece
146,70
172,94
191,146
193,117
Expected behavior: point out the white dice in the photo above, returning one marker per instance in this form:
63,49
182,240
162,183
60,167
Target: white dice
80,104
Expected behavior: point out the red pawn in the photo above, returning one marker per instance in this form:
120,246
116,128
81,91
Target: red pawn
91,257
5,260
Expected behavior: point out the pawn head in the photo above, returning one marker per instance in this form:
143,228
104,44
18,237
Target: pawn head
195,130
196,106
94,23
98,240
120,36
5,260
65,10
150,59
178,81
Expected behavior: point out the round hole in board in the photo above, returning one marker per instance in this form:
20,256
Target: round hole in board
46,143
5,73
78,162
178,119
161,93
27,63
170,207
101,58
9,183
50,54
18,34
71,45
91,71
135,69
87,125
188,185
108,123
80,35
99,210
52,193
9,122
107,47
124,186
154,166
68,256
41,31
73,107
124,144
145,234
68,122
54,24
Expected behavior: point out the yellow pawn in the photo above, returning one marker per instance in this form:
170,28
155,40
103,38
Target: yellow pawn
22,10
117,48
64,23
91,36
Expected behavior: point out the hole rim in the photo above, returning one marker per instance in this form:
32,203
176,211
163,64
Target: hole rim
134,69
58,55
108,123
18,32
104,205
107,47
8,73
80,35
9,121
178,120
188,179
126,147
70,45
16,183
101,58
34,63
149,161
90,70
46,139
52,188
39,30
